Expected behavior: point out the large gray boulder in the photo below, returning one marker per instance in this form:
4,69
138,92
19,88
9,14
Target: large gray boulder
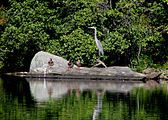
39,63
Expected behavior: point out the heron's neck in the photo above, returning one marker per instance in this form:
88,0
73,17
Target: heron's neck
95,33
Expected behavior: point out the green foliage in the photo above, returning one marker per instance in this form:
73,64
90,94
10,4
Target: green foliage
24,34
116,43
143,63
77,45
129,30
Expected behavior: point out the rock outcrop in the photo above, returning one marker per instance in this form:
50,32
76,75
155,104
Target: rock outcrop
155,74
40,65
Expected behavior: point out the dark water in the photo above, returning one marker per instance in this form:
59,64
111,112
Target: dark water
40,99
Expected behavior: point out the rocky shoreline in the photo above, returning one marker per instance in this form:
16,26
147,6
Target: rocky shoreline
47,65
155,74
39,65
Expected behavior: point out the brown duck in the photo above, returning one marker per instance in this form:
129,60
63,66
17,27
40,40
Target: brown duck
78,63
70,64
50,62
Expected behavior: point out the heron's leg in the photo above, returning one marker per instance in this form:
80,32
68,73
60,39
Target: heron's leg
99,53
99,63
96,65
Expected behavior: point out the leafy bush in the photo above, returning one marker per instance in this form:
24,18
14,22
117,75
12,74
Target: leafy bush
128,30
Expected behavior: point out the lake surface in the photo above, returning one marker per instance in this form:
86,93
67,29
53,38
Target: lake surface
47,99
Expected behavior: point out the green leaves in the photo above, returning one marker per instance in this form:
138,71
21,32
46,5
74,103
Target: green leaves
127,30
116,43
77,45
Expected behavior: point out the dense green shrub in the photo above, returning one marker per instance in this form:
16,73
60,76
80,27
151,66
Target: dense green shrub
128,30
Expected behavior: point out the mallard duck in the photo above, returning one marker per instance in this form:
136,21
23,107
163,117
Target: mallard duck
78,63
50,62
70,64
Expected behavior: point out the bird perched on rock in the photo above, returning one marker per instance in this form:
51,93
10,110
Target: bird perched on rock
98,43
70,64
99,46
78,63
50,62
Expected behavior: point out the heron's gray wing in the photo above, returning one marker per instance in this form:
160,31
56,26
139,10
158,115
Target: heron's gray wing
100,47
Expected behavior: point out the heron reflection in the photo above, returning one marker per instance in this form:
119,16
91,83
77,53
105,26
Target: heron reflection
98,108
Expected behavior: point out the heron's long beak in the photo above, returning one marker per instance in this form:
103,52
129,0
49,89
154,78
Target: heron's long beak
90,27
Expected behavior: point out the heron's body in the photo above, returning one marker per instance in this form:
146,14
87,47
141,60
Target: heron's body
99,45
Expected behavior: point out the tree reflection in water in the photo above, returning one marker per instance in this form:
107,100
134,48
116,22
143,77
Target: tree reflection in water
16,88
74,100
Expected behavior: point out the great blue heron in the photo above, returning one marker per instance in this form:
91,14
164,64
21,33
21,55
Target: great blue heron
100,47
98,43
